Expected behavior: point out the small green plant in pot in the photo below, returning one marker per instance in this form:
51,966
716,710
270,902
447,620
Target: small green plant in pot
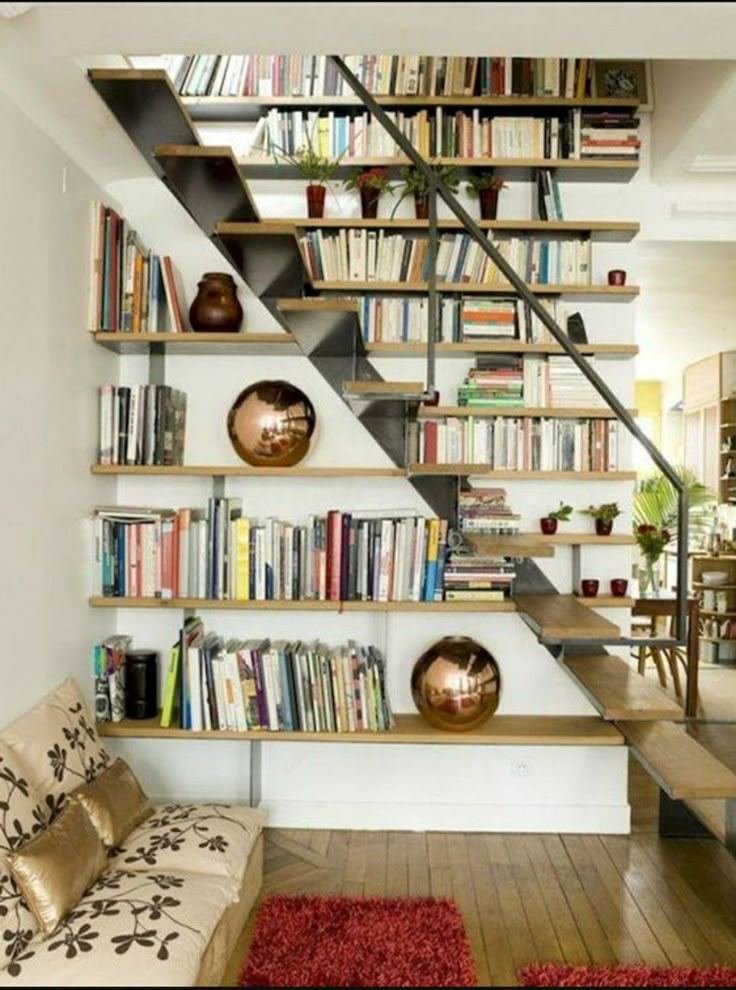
415,183
485,186
370,183
548,523
604,515
316,168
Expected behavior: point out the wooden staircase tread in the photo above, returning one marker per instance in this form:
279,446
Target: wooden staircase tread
618,691
245,227
682,767
318,304
511,545
564,617
378,387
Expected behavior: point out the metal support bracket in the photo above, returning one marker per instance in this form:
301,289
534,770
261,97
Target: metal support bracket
254,788
156,364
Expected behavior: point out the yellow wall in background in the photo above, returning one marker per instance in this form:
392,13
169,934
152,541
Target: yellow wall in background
648,402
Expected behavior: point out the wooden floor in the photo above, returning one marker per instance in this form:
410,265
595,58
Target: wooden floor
580,899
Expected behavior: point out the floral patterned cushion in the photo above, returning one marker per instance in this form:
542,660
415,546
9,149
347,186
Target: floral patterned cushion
130,929
22,816
215,839
57,745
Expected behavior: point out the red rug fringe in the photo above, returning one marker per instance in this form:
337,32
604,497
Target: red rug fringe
327,941
555,975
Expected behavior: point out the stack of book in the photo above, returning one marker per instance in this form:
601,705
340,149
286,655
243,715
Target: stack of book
362,255
485,510
218,553
109,669
568,387
519,444
383,75
478,578
549,200
131,290
488,319
145,424
496,380
609,134
401,320
255,684
531,328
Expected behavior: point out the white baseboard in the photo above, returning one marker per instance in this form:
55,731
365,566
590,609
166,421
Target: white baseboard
421,817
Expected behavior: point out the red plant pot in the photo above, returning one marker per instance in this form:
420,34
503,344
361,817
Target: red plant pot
488,203
603,528
548,526
589,587
617,276
421,207
618,587
369,202
316,201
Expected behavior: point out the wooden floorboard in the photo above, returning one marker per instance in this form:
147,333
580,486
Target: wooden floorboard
581,899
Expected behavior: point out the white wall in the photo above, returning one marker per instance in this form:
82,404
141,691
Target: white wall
49,370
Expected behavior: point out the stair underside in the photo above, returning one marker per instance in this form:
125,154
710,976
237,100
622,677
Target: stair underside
617,691
681,766
562,617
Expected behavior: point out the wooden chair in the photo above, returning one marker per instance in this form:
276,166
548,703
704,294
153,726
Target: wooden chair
657,615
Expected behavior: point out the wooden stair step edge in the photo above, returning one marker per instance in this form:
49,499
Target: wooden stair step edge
511,545
378,387
680,765
618,691
565,617
317,304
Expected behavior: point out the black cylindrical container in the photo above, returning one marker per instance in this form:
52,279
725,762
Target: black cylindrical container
141,683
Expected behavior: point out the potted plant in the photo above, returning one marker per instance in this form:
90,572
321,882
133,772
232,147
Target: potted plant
604,515
415,183
370,183
316,168
651,540
549,522
486,187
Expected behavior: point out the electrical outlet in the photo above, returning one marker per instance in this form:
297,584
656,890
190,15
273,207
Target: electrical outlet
521,768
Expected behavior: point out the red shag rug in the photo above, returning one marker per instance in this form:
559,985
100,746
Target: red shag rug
554,975
320,941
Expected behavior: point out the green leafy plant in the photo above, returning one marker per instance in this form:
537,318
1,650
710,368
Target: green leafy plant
562,514
372,178
483,180
315,167
415,183
655,504
606,512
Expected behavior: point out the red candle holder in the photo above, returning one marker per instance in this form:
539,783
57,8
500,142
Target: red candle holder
619,587
589,587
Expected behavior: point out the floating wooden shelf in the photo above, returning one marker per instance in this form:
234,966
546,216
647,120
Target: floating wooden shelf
245,471
608,230
562,617
607,601
468,348
200,343
714,587
548,412
264,167
481,470
317,304
307,605
586,539
617,691
371,386
716,614
486,288
510,545
501,730
681,766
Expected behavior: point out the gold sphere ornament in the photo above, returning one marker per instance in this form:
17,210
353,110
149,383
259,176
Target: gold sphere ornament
271,423
456,684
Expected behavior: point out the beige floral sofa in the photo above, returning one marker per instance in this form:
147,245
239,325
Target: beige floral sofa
174,896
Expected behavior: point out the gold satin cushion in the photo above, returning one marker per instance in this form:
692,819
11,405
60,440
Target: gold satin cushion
54,869
114,802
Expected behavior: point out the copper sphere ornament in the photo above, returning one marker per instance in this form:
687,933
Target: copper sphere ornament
456,684
271,423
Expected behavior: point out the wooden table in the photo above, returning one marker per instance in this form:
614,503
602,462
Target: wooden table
666,605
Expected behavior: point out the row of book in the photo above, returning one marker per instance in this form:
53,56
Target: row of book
485,510
405,319
478,578
217,553
131,290
108,659
362,255
440,133
255,684
507,380
143,424
383,75
524,443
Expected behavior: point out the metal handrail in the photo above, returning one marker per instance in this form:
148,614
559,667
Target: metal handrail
437,187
